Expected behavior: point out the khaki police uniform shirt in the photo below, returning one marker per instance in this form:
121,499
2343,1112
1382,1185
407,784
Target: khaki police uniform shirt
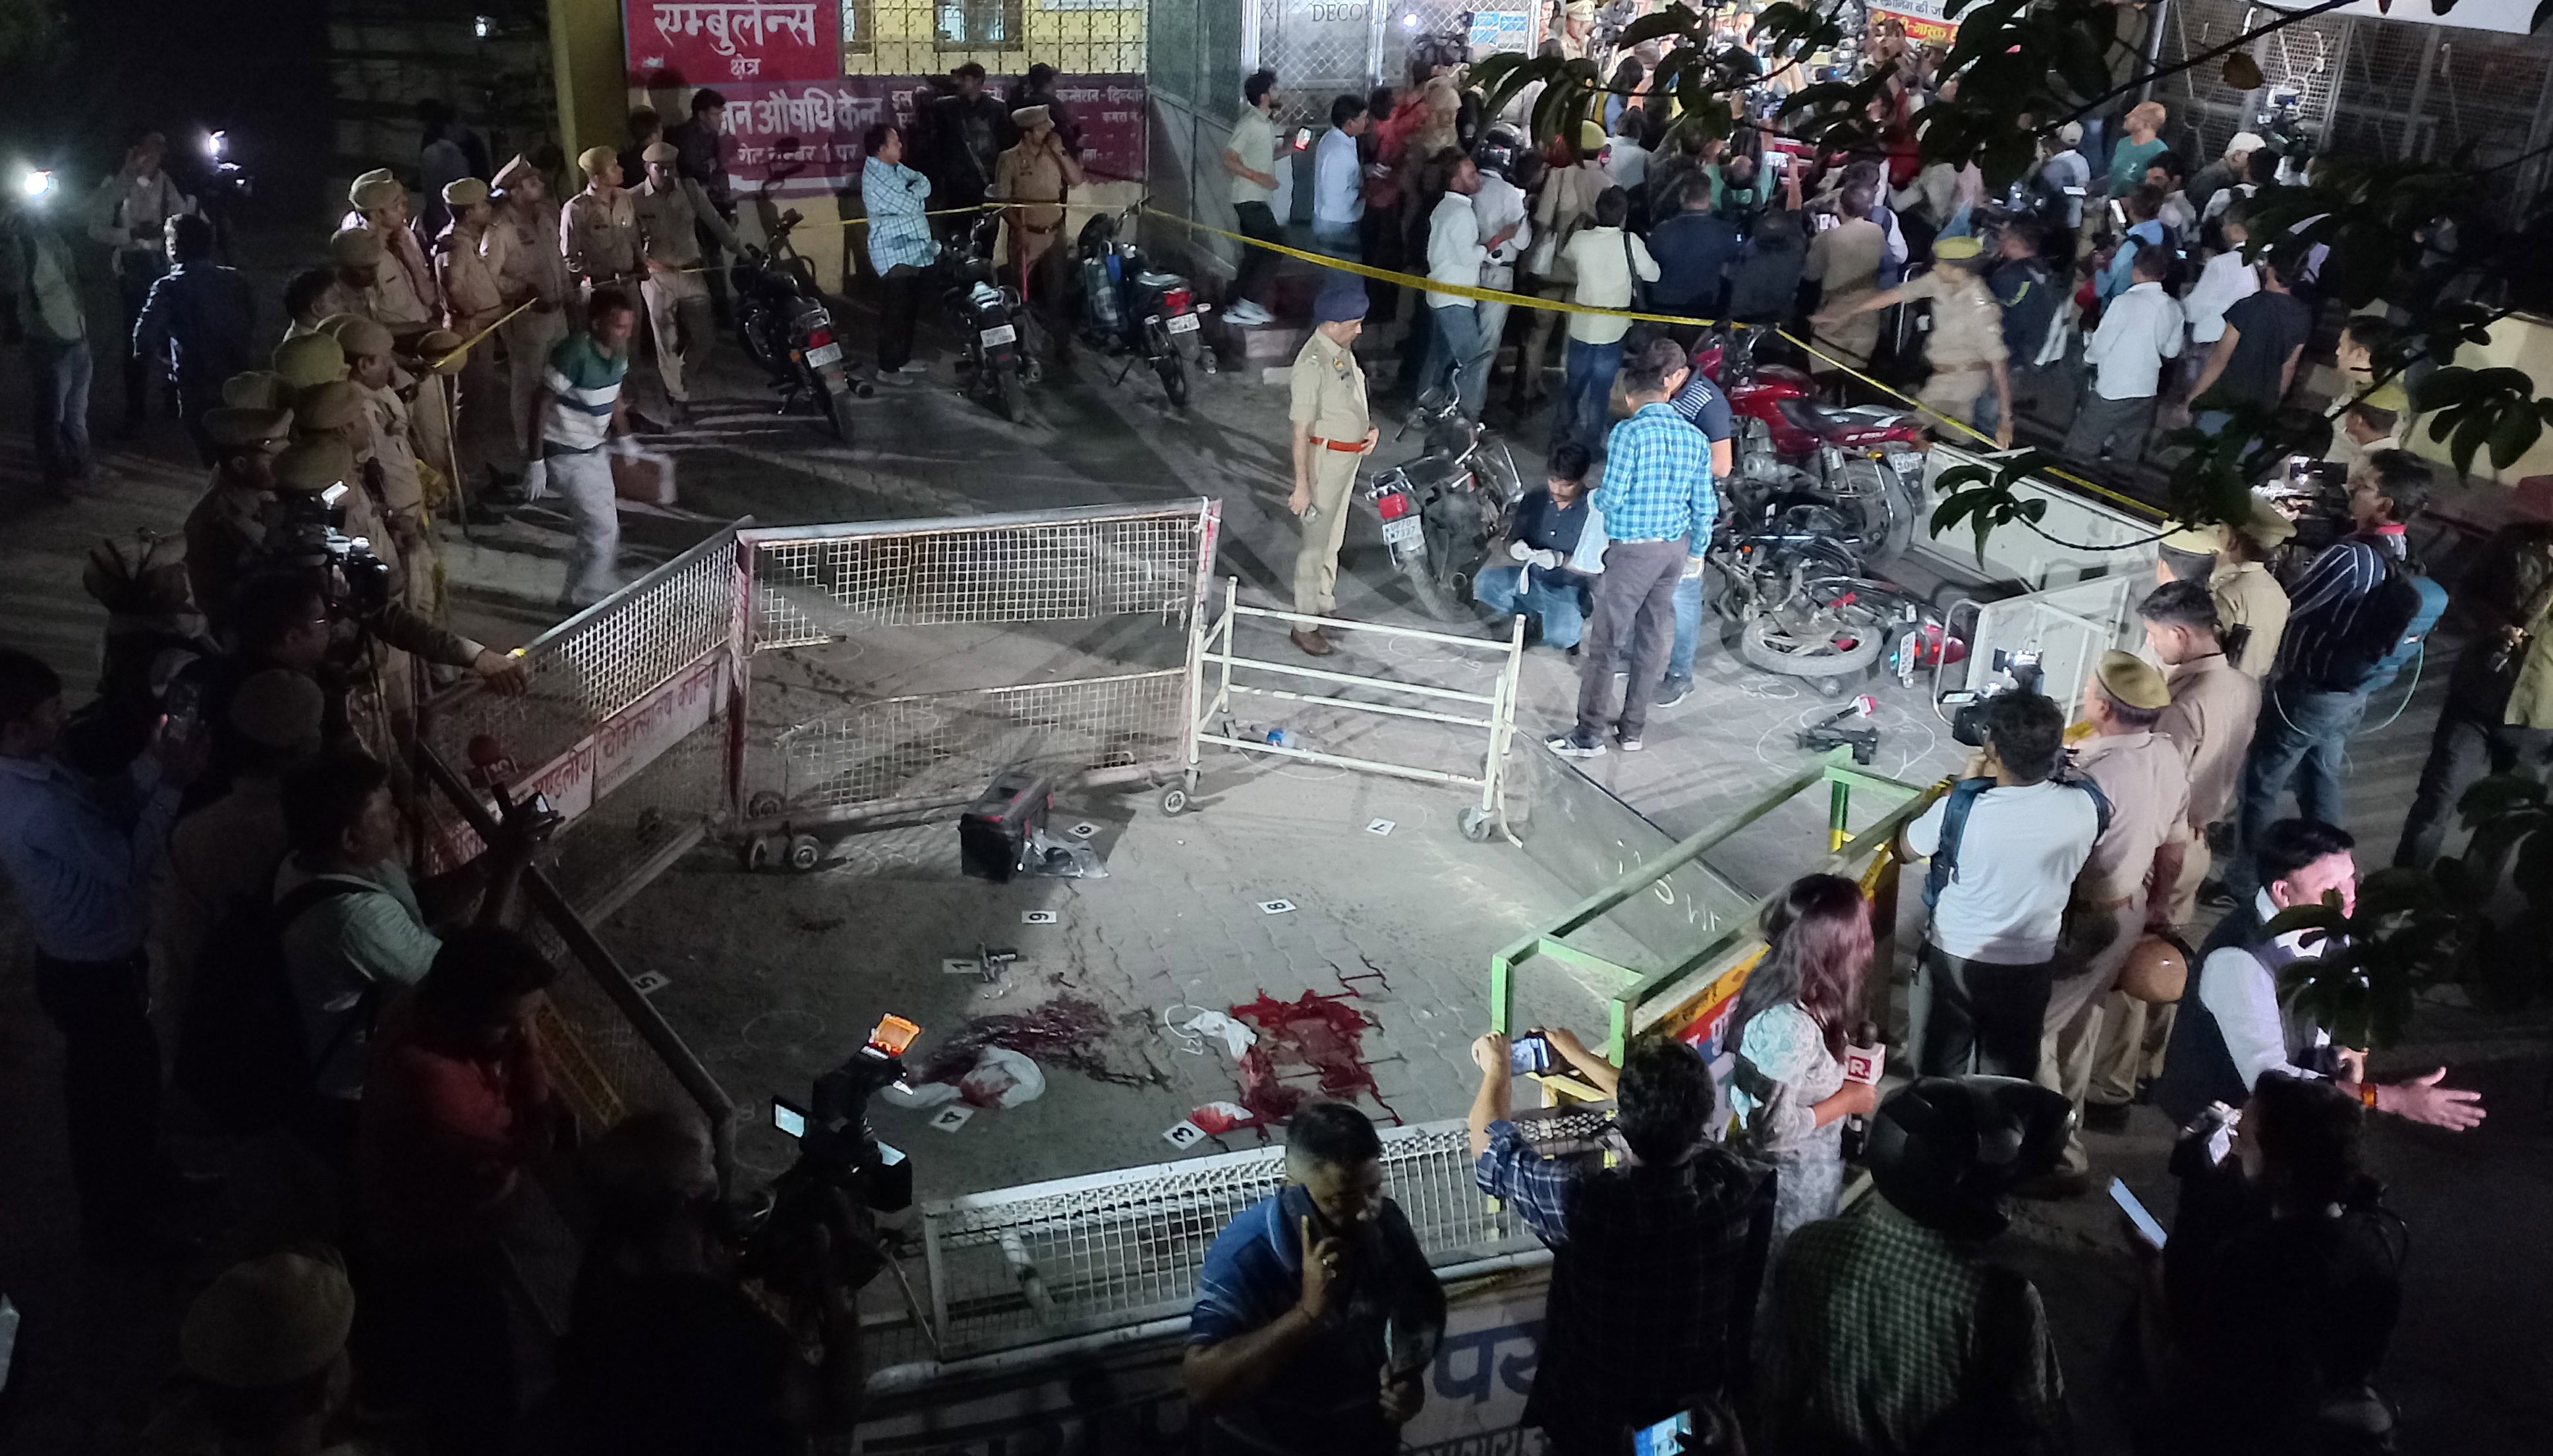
2214,708
403,298
531,267
1036,180
2148,789
600,236
2248,596
1328,387
389,444
1967,323
469,276
669,222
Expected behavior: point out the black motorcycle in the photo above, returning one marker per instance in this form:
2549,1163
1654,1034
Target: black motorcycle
990,318
1443,511
788,328
1126,307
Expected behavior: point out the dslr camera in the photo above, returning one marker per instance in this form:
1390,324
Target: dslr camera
789,1226
1968,719
310,532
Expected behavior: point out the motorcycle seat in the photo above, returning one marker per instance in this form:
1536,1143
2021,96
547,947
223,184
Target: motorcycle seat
1158,280
1852,426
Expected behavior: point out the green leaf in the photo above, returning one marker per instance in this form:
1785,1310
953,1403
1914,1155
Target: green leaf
2514,435
1674,20
2446,386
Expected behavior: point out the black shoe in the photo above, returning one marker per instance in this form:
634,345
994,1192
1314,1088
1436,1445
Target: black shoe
1571,746
2109,1117
1671,691
2215,896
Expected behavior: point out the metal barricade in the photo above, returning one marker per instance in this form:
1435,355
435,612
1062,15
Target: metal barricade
1492,712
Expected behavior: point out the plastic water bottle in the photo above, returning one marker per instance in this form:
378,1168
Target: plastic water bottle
1285,738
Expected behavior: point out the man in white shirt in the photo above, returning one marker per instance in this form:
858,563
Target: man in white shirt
1250,156
1626,161
1502,207
1457,249
1602,259
2066,174
1338,180
2140,329
2228,279
2232,1026
1982,980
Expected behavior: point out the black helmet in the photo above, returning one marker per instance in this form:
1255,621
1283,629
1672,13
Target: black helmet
1497,152
1946,1149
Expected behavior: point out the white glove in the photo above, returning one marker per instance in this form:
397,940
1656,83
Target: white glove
1550,561
1693,566
536,478
1519,552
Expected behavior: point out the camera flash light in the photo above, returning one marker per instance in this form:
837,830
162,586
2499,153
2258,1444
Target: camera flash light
35,183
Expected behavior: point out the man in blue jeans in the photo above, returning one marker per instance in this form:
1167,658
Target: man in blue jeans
2318,689
1702,406
1535,571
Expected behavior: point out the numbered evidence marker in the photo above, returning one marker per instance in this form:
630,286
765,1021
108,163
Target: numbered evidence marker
1378,826
1275,907
1183,1135
649,983
951,1117
1038,917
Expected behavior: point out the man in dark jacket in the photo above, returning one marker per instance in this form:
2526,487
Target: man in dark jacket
197,323
967,135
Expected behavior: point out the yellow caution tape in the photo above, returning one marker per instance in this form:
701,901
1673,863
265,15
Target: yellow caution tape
1561,305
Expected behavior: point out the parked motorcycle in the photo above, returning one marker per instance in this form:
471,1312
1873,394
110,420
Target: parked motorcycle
1126,307
788,328
990,316
1867,459
1442,511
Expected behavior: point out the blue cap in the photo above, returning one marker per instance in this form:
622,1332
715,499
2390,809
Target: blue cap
1341,299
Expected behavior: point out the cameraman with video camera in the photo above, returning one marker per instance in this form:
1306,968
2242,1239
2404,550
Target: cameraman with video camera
665,1350
2006,841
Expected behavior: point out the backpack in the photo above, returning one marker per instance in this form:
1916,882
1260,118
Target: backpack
1955,823
2391,620
242,1052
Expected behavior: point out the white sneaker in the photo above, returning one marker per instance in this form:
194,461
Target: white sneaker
1246,315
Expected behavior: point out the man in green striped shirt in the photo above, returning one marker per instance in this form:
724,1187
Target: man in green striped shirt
575,412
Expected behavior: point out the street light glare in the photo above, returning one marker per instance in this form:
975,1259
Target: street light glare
215,143
35,183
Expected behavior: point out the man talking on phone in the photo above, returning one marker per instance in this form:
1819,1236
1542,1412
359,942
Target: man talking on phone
1646,1305
1316,1315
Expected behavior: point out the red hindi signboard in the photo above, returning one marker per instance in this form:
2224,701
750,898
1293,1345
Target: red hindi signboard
795,138
719,43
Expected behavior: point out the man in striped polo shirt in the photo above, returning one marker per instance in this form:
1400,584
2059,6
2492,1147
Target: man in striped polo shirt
577,408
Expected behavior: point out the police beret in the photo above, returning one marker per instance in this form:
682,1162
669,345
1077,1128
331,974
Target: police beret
514,174
324,407
1029,118
2195,540
1962,248
268,1322
357,334
257,389
375,189
440,350
594,158
2133,681
2266,526
664,151
235,428
464,192
1591,136
314,463
311,359
355,248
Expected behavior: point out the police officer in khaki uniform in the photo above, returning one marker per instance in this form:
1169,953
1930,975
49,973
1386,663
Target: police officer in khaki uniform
1966,346
1035,178
228,521
2143,775
2214,706
530,272
599,227
2247,595
469,256
1331,435
672,213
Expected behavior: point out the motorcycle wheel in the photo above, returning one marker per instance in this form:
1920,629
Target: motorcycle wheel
1885,518
838,405
1174,380
1434,598
1011,396
1824,648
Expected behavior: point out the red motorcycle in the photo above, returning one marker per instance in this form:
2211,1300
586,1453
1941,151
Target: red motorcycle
1863,462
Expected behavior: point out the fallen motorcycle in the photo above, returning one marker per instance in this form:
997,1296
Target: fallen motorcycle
1867,460
1793,600
1127,308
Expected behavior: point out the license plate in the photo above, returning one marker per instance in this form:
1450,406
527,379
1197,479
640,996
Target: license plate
823,354
1006,334
1402,532
1182,323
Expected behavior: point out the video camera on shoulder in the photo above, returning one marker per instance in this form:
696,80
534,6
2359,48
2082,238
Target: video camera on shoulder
310,532
1968,719
836,1151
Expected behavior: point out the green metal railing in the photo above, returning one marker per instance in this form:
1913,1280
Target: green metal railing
1644,997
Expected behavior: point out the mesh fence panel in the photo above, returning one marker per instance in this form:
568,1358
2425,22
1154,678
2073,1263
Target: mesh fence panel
1036,1262
814,586
944,747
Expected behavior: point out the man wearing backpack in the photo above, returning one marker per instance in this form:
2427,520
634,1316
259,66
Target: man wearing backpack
353,929
79,857
2012,840
2358,616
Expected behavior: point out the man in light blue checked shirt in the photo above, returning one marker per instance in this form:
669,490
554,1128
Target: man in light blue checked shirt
1658,507
901,246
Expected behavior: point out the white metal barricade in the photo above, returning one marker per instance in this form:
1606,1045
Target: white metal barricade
1492,712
